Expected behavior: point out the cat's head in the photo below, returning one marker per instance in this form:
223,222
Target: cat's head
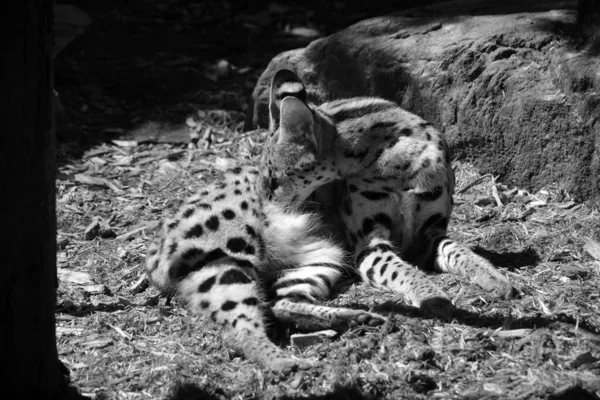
297,158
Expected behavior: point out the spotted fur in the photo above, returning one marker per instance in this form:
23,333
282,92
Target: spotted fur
385,179
238,246
242,244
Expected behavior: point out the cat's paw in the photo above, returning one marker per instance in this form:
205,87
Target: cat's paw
496,284
367,318
503,289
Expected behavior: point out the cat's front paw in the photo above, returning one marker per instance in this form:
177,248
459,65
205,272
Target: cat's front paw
367,318
496,284
503,289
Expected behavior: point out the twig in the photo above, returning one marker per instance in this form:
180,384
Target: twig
475,182
496,197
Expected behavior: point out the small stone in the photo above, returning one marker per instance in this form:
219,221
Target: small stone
302,340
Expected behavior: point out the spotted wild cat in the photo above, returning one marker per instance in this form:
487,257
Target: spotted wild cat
243,244
235,238
391,190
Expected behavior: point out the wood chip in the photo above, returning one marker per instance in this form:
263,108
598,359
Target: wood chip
98,228
139,286
593,249
512,333
94,181
62,242
98,344
129,234
92,230
97,152
584,358
567,205
473,183
121,332
125,143
77,277
68,331
297,381
95,289
493,388
302,340
573,272
496,196
544,307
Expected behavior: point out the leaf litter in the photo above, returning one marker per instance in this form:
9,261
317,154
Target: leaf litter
130,343
120,339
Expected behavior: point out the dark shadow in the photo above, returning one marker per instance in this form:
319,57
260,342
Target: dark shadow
579,35
489,7
341,393
512,260
574,392
495,321
190,391
114,78
139,65
68,391
83,309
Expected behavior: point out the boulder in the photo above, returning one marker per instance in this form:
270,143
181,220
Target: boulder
515,86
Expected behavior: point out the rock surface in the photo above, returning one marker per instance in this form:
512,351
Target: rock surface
514,86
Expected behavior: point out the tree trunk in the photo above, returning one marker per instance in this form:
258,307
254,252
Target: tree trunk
28,355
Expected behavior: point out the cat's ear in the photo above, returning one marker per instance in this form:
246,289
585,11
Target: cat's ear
296,119
285,83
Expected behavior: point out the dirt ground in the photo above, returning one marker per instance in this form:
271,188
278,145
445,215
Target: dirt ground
127,86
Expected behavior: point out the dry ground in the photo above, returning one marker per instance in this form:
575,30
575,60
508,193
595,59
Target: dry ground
121,342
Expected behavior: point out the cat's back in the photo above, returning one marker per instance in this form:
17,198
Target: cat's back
375,135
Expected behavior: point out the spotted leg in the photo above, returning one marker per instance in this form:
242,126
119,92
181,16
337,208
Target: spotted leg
230,296
458,259
298,289
373,221
431,246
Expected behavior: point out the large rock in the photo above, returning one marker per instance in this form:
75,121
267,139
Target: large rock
516,92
